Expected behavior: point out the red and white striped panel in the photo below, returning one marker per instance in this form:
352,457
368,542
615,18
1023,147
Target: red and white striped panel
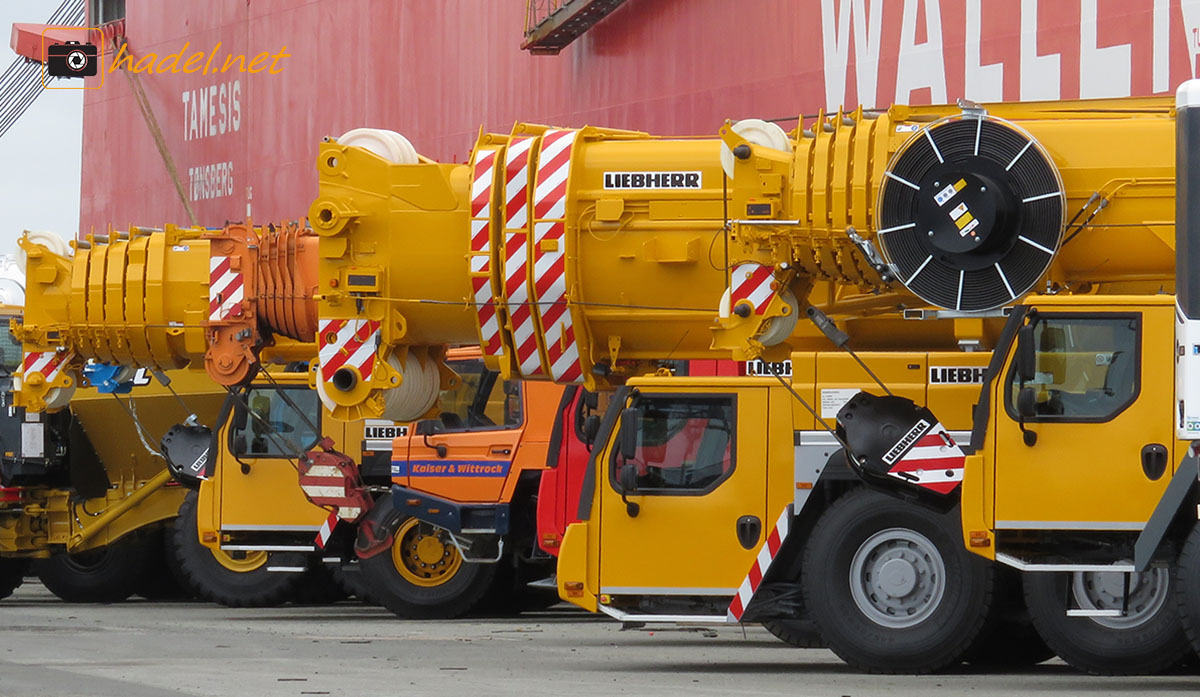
752,282
48,363
347,343
482,176
516,255
326,530
935,462
549,267
331,485
766,554
226,289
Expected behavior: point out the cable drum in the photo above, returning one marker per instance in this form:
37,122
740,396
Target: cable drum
389,145
419,391
971,211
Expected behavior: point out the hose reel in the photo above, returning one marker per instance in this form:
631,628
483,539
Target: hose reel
970,214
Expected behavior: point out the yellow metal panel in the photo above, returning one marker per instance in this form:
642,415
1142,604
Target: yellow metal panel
702,550
780,437
1080,473
955,379
804,375
976,508
903,373
269,495
573,567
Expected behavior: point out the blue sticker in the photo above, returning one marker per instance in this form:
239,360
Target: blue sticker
450,468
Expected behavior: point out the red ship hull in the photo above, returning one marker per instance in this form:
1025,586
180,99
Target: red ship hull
244,144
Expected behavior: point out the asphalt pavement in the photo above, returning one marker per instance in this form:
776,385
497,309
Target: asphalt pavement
154,649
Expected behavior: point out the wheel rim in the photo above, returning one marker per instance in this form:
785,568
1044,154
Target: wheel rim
248,563
424,555
1105,590
897,578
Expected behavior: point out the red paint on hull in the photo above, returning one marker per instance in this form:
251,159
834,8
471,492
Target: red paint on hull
436,71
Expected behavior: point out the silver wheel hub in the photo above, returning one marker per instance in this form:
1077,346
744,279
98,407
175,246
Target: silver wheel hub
897,578
1105,590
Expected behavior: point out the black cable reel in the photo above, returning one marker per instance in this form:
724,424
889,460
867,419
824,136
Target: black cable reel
971,212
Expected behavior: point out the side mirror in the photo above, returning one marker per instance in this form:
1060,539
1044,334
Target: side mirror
627,478
240,447
1027,403
1026,354
241,415
431,427
627,437
591,426
428,427
1026,409
591,400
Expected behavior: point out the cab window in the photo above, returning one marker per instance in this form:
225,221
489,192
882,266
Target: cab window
273,428
1087,368
481,401
685,444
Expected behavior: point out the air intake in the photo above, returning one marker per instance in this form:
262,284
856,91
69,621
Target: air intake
970,212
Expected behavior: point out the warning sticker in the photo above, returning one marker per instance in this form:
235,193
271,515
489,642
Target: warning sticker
832,400
969,227
944,195
958,210
907,128
947,193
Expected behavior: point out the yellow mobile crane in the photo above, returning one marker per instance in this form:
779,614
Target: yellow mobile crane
85,497
586,255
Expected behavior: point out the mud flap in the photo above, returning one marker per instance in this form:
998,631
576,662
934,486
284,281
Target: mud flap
187,452
901,448
376,530
1178,493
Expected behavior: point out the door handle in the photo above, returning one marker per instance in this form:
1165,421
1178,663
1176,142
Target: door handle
1154,461
502,451
748,529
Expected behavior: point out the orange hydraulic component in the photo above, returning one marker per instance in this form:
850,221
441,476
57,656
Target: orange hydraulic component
260,283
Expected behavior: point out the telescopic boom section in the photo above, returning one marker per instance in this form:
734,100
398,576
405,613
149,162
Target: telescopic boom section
162,300
583,255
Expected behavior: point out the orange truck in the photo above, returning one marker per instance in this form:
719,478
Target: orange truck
457,502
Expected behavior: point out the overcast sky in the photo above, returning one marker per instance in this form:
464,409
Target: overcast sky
39,183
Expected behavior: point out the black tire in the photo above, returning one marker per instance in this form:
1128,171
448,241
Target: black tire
251,585
108,574
1148,641
318,586
511,594
946,591
800,633
1008,639
534,599
161,578
12,574
1187,587
453,591
349,579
